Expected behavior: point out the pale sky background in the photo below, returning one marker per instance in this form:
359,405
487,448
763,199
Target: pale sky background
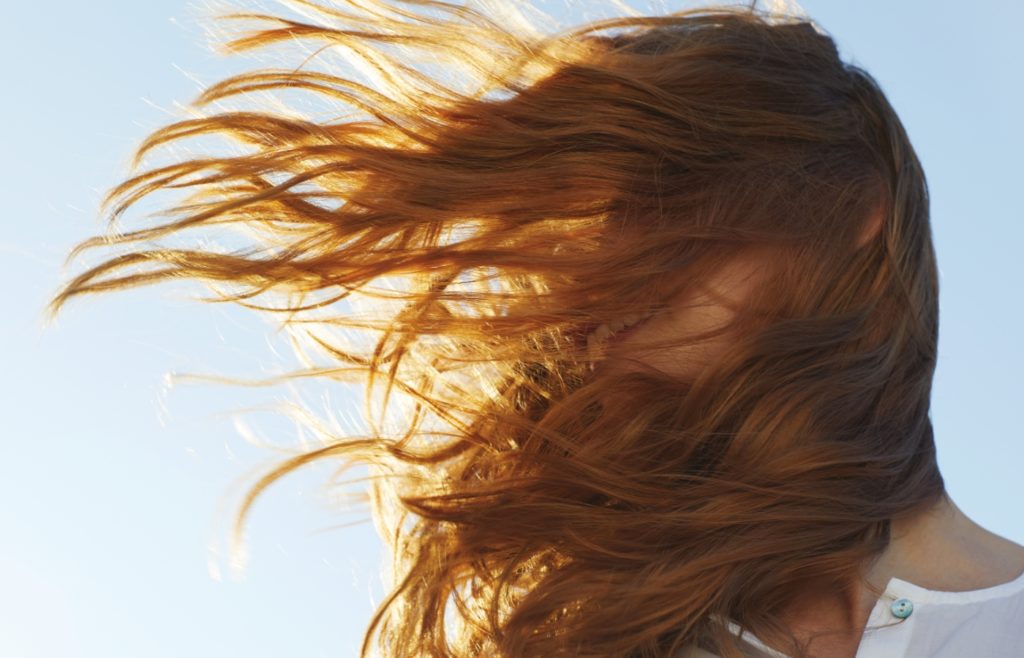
114,488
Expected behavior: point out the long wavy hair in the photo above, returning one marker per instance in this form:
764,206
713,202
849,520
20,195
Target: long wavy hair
534,504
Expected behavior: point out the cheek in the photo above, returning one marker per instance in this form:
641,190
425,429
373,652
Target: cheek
693,313
691,316
683,322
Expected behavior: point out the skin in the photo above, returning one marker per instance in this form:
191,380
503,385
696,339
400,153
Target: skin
706,309
939,549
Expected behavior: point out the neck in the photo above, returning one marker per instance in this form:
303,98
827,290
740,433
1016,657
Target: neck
939,549
943,549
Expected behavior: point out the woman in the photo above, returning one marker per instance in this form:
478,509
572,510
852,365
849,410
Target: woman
748,470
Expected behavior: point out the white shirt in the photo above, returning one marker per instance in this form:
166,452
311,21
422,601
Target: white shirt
980,623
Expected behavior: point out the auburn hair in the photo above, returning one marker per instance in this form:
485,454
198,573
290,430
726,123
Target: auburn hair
533,504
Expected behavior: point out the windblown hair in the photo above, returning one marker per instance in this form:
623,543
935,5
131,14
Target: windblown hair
555,508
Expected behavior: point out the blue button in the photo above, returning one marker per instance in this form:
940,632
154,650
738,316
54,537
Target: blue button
902,608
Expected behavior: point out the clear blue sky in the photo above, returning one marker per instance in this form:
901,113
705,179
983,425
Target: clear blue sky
115,488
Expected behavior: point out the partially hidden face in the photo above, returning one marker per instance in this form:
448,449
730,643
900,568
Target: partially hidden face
699,309
690,313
